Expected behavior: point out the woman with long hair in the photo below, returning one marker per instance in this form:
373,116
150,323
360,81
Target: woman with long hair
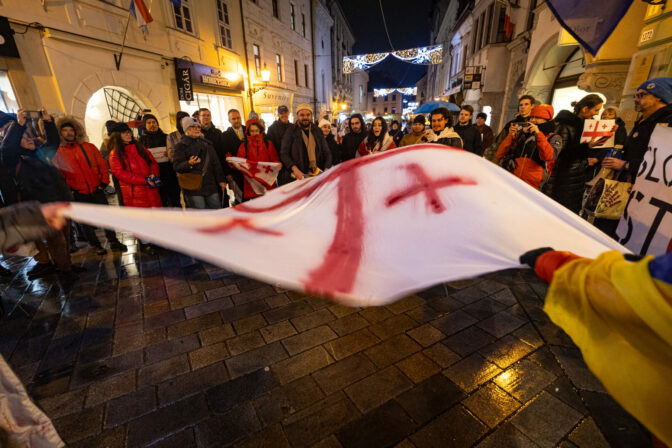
137,171
377,140
256,148
570,174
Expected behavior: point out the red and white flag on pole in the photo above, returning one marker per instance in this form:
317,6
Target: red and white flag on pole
597,129
261,175
373,229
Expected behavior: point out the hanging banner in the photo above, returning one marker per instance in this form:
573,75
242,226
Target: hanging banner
421,55
646,225
372,229
185,90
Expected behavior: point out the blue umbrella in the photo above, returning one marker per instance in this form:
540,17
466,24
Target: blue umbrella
431,105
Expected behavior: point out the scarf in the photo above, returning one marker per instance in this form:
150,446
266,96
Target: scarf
309,141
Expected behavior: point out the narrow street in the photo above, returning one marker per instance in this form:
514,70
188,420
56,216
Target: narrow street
169,352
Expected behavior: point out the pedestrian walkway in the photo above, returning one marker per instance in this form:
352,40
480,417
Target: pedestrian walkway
169,352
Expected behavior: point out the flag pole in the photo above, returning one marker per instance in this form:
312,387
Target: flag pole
117,57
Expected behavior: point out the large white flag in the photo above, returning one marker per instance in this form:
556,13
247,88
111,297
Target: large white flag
373,229
260,175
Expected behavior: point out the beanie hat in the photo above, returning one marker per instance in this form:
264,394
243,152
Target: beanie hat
304,106
253,121
109,124
147,117
323,122
544,111
419,119
189,121
118,127
660,87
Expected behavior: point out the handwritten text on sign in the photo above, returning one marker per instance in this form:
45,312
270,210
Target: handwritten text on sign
646,225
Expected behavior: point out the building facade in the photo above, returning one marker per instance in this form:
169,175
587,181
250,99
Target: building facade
322,25
342,41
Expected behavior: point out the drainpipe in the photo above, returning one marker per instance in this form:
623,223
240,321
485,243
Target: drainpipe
247,62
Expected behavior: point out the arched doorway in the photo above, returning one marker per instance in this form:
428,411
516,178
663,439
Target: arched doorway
110,103
550,66
565,88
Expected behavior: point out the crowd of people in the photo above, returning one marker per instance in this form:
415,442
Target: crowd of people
188,166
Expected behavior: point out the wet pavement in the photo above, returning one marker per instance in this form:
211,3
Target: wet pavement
171,352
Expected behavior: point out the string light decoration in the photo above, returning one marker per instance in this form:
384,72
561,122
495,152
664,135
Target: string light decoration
362,61
421,56
402,90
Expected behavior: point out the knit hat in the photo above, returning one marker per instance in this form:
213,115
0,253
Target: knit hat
253,115
323,122
118,127
108,125
544,111
304,106
147,117
660,87
189,121
420,119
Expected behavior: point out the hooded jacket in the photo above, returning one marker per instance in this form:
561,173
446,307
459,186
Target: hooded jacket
257,148
132,173
33,179
569,175
447,137
80,162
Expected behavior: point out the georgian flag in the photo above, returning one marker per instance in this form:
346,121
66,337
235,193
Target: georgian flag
373,229
261,175
597,129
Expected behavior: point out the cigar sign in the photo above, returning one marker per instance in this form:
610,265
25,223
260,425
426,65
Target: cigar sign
189,73
185,90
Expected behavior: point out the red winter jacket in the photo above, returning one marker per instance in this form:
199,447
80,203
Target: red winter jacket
526,168
132,178
258,150
81,175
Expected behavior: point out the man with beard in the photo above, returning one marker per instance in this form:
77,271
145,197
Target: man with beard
154,139
304,150
352,139
277,130
86,172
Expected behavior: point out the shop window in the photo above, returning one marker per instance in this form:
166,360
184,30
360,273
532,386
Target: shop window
182,14
276,10
224,24
278,64
296,73
305,74
303,24
218,105
292,16
257,59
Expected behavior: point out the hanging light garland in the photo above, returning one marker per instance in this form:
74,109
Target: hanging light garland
421,56
402,90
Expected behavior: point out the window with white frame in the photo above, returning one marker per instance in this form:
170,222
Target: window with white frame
257,59
183,16
224,24
278,63
292,16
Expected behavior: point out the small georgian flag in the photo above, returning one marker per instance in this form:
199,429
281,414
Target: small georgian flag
261,175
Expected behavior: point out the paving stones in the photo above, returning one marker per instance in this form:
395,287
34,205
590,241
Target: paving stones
167,352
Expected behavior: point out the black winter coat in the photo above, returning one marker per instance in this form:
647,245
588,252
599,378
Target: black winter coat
294,152
229,145
349,145
471,138
34,179
334,148
570,173
637,142
213,174
276,131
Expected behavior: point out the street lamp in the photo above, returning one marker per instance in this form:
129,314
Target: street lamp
265,75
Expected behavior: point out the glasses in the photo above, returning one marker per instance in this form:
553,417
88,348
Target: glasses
640,95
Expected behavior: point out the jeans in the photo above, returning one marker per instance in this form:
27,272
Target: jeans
202,202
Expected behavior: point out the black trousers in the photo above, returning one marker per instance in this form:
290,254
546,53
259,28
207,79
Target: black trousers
97,197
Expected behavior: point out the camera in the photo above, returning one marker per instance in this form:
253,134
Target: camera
153,182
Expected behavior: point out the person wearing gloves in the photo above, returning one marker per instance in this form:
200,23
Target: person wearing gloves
418,132
378,139
526,150
199,171
619,313
334,146
255,148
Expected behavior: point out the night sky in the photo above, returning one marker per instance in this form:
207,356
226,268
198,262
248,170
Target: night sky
408,22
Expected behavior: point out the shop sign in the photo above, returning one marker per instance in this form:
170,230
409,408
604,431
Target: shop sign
185,90
190,73
473,77
273,98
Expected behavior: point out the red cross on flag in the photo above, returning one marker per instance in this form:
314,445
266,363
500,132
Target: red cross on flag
598,129
373,229
261,175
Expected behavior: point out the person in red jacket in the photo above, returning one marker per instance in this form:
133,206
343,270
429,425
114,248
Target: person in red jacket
137,171
86,172
526,149
256,148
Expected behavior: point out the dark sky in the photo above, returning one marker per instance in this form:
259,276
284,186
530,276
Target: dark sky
408,23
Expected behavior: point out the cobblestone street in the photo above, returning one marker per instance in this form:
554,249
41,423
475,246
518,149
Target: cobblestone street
170,352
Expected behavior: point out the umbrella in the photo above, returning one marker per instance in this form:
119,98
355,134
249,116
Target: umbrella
431,105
